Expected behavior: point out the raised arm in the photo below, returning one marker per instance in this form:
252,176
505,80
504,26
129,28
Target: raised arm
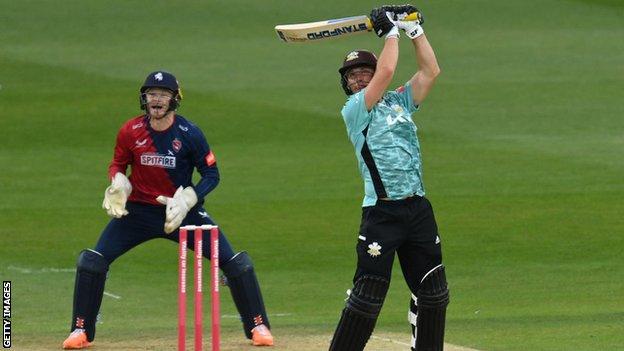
388,58
428,69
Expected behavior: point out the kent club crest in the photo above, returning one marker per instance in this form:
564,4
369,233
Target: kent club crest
176,144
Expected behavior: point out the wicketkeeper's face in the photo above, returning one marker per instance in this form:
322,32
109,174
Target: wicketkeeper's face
158,101
358,78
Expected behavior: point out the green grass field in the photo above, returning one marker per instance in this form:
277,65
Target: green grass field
522,138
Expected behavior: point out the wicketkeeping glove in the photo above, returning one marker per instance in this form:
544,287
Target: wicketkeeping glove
116,195
382,23
177,207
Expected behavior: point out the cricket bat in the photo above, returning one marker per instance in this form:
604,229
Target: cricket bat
333,28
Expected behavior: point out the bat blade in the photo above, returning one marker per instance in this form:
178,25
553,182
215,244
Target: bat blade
314,31
334,28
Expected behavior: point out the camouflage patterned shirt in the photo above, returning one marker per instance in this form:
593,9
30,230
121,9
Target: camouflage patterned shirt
386,145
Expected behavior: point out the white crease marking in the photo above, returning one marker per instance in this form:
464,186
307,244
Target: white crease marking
117,297
270,315
41,270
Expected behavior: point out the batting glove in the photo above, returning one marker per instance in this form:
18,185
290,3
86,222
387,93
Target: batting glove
401,11
177,207
411,28
382,23
393,33
116,195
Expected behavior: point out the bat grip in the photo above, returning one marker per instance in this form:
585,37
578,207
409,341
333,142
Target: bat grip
411,17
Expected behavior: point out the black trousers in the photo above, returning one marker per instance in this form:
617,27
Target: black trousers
146,222
407,227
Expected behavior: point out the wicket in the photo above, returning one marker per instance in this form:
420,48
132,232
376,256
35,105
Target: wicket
214,270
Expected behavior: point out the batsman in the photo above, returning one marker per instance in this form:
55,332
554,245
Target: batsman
396,215
163,150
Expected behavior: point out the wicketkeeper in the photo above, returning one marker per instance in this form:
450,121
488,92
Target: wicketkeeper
396,216
163,149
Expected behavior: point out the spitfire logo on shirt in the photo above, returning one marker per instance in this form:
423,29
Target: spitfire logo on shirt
158,160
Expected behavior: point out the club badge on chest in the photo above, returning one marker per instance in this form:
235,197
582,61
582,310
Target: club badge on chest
176,144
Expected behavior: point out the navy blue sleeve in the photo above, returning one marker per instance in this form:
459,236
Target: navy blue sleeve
206,165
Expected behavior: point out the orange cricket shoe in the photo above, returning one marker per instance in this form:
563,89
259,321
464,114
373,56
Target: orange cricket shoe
261,336
76,340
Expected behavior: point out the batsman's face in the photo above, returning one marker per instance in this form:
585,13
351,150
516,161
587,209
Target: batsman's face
358,78
158,101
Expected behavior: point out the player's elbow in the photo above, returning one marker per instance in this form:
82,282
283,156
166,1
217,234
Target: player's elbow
429,76
211,177
434,71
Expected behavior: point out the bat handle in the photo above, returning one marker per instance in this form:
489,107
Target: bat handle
411,17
